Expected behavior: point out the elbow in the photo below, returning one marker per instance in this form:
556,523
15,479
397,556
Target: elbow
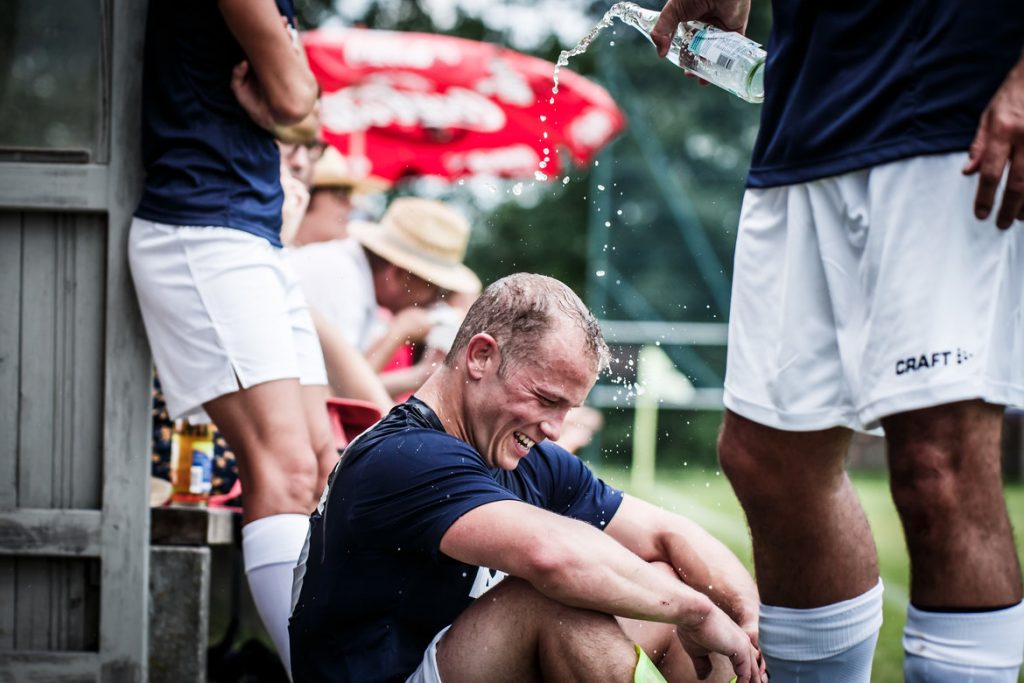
291,110
293,104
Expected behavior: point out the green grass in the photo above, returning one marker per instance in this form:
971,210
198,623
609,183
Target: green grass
705,497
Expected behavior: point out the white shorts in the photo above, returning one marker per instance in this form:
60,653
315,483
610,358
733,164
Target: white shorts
873,293
223,312
427,671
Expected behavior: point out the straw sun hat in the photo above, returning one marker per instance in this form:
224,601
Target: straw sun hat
426,238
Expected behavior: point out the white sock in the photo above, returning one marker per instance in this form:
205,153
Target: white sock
270,548
980,647
831,643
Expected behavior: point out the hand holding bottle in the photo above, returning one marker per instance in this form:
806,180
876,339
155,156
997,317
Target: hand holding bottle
728,59
730,15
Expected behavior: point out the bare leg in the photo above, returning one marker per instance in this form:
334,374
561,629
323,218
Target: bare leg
272,429
267,426
812,543
314,399
947,486
514,633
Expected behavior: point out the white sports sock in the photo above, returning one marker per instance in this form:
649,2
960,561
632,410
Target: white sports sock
270,548
831,643
976,647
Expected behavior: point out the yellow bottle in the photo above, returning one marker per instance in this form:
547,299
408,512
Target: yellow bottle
191,463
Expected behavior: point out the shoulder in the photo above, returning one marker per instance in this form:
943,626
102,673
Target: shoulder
549,455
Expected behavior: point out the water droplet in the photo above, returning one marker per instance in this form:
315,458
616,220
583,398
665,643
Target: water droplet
543,118
565,180
601,187
540,176
517,189
543,164
607,224
599,273
619,212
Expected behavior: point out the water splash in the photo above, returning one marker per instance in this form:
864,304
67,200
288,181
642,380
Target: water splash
581,47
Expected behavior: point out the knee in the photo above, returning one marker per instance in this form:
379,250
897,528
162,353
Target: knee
285,473
745,469
926,486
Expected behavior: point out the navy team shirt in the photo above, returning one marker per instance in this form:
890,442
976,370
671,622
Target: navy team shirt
206,162
856,83
374,587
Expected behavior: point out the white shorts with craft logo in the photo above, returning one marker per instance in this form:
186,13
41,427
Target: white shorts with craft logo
873,293
223,311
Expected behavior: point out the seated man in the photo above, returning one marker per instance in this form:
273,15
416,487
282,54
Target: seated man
460,486
404,264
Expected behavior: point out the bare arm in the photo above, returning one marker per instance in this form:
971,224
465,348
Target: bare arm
410,325
274,83
406,380
578,565
999,146
728,14
347,370
699,559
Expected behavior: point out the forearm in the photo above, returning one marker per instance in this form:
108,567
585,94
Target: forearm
404,381
705,563
626,586
570,562
699,559
275,57
347,371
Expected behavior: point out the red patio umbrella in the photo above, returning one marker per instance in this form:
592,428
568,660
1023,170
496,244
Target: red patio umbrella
425,104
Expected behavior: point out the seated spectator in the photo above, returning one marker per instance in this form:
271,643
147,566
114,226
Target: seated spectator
460,486
334,182
406,264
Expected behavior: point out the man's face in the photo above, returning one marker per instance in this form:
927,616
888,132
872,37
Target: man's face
397,289
300,158
507,416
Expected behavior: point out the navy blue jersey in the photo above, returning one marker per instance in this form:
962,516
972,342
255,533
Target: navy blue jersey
375,588
851,84
206,162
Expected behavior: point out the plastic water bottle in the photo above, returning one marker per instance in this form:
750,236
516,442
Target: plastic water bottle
729,60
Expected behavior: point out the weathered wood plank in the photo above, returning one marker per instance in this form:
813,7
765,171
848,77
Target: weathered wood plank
32,604
50,533
69,187
49,667
83,436
7,601
10,355
38,380
124,629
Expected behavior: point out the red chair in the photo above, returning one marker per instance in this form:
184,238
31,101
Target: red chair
349,418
